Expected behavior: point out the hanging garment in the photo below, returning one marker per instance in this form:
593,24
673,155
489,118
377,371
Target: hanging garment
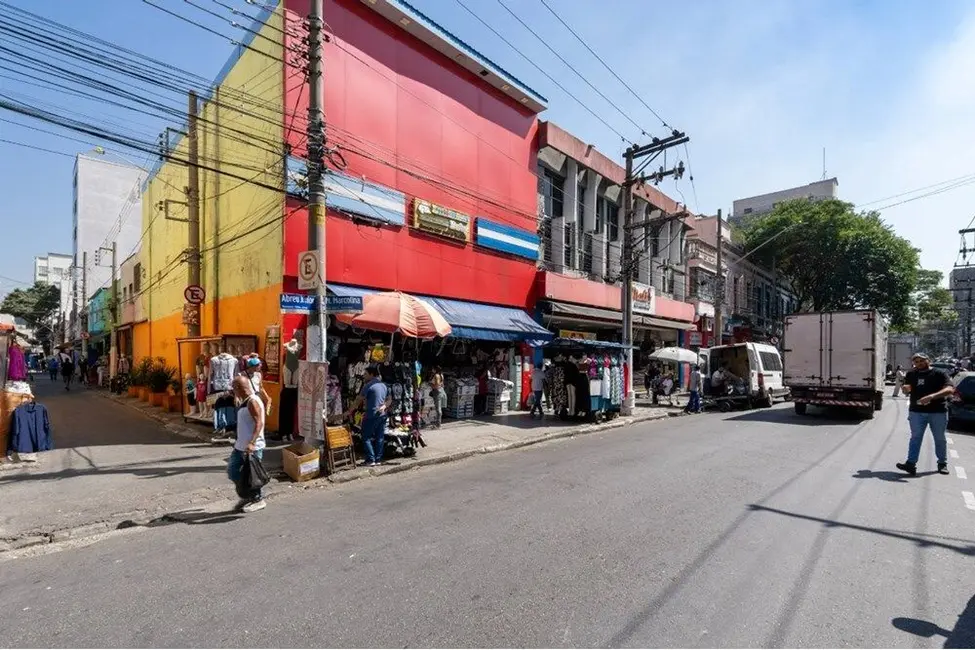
616,384
559,395
288,415
224,414
605,383
223,368
30,429
16,366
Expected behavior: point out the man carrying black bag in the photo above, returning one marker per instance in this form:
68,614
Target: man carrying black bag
245,468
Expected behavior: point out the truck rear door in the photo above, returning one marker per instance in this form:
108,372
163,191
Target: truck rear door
805,350
851,348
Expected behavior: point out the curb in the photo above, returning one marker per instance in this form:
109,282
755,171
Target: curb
177,429
569,432
147,520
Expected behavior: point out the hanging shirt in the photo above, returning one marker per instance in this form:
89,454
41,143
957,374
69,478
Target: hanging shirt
223,367
538,379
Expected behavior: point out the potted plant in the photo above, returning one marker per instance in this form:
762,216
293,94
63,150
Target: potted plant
140,377
174,399
158,381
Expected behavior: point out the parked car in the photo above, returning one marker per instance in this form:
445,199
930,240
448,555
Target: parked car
961,408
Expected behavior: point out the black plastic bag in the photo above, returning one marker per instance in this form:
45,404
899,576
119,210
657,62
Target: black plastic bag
253,476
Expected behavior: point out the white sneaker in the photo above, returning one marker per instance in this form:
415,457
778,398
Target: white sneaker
241,503
254,506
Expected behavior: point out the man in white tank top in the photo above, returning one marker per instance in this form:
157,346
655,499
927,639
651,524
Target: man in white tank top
250,439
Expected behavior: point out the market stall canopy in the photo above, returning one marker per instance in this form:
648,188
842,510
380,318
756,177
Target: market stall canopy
395,311
571,310
471,320
675,355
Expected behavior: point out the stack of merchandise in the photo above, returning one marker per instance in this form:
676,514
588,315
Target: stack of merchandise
499,396
461,392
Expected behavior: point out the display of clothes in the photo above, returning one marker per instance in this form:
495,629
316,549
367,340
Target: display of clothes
223,369
224,412
333,397
289,366
30,429
16,364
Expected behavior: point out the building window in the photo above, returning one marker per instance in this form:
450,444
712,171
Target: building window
570,246
747,210
131,295
550,188
607,213
546,238
137,276
581,205
585,263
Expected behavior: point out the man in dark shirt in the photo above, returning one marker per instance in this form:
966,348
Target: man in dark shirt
928,389
375,398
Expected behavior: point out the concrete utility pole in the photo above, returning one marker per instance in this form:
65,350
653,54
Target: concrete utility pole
627,258
113,345
83,314
193,207
719,298
317,321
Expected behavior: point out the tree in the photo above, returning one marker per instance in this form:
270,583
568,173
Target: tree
836,258
37,305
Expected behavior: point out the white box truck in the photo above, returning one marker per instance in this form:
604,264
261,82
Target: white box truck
836,358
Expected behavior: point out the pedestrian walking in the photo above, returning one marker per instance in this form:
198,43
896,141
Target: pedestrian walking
250,441
928,389
66,362
52,367
375,398
538,388
694,403
899,376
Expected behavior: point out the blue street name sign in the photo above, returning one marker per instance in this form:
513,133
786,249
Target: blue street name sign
343,304
297,302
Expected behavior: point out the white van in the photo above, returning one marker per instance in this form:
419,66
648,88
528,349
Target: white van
758,365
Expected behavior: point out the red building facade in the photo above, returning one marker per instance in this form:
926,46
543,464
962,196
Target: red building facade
415,124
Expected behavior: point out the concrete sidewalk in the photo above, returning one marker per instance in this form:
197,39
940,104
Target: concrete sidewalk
119,460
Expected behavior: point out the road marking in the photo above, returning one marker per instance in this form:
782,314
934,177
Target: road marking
969,500
953,453
961,472
950,440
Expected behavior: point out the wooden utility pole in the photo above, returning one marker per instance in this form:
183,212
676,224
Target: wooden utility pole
719,298
627,258
193,207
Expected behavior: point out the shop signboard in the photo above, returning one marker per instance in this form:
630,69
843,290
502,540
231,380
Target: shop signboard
506,239
643,297
573,334
363,199
272,351
694,339
438,220
312,382
298,303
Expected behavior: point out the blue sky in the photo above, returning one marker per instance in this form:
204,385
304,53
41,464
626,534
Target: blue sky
760,87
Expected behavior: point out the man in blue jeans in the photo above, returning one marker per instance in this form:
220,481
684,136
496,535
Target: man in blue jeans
928,389
375,397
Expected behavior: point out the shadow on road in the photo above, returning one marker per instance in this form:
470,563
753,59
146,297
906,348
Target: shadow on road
813,418
962,636
920,540
190,517
893,477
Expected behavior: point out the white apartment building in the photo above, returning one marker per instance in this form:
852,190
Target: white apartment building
56,269
753,206
107,208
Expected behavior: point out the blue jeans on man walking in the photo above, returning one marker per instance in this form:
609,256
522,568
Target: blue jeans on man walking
919,422
694,403
374,438
537,404
234,467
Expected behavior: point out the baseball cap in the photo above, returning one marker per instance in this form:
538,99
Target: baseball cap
920,355
253,361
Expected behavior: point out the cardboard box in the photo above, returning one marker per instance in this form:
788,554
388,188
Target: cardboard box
301,461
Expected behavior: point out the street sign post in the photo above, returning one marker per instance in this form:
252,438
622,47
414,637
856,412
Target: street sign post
298,303
194,294
309,270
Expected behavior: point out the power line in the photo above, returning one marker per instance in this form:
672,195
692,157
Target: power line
606,65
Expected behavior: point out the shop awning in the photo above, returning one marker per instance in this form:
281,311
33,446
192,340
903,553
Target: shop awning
569,310
587,343
472,320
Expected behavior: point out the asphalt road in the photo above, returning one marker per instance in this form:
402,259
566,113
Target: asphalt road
752,529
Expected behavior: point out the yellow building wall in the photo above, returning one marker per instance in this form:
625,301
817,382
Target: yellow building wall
241,153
